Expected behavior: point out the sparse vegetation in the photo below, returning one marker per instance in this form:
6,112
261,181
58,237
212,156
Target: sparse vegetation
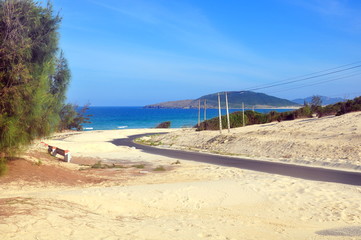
99,165
140,166
148,140
155,143
3,167
38,162
118,166
159,168
251,117
164,125
73,117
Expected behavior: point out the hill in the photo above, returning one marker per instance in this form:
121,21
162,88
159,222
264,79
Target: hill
235,100
325,100
172,104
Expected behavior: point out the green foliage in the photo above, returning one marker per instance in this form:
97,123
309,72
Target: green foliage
81,118
349,106
3,167
304,112
139,166
316,105
38,163
59,81
98,165
159,169
33,77
164,125
67,115
255,117
176,162
236,120
71,117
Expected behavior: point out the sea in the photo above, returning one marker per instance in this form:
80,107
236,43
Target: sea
111,118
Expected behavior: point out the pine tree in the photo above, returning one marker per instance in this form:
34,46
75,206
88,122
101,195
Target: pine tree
33,79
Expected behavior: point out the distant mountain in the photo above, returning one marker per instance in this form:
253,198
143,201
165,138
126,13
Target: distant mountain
235,100
325,100
172,104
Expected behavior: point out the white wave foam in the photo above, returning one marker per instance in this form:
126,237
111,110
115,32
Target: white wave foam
88,128
122,126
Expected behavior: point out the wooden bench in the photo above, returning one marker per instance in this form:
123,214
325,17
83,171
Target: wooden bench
54,151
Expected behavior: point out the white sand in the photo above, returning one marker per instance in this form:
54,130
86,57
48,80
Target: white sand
193,201
330,141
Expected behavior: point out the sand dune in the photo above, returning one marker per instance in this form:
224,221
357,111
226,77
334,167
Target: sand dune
329,142
188,201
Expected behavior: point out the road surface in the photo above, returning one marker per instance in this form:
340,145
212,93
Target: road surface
309,173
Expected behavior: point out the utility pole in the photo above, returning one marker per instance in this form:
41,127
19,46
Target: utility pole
199,113
219,114
243,114
228,123
205,109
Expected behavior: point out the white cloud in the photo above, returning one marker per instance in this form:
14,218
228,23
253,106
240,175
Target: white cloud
186,25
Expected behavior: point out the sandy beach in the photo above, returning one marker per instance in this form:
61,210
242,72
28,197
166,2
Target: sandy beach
154,197
332,141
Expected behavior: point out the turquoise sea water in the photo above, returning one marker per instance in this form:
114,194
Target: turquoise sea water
109,118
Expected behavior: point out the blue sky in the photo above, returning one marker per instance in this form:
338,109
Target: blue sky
138,52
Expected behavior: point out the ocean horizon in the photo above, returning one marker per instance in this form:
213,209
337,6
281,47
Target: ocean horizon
132,117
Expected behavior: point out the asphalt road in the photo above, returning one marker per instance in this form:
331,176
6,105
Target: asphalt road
309,173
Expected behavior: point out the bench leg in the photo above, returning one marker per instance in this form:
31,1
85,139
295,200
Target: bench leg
53,151
67,157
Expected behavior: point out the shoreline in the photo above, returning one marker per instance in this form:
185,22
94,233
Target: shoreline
246,108
125,133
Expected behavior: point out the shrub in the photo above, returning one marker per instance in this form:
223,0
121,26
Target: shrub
159,168
236,118
3,167
73,117
34,75
139,166
255,117
164,125
97,165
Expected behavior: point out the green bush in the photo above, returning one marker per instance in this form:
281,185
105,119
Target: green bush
255,117
98,165
349,106
34,74
139,166
159,168
236,118
73,117
164,125
3,167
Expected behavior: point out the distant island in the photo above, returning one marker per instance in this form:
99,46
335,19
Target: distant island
235,100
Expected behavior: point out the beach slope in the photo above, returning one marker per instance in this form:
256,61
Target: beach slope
185,200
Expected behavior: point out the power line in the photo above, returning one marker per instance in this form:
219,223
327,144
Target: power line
317,83
343,94
304,77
